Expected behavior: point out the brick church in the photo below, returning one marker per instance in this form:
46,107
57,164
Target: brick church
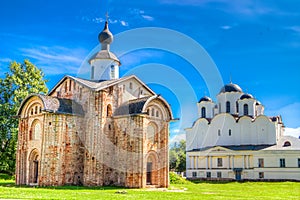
102,131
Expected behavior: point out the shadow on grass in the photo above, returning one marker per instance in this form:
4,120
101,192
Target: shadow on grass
11,183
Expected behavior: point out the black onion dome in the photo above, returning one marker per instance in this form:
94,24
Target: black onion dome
246,96
231,88
205,98
105,36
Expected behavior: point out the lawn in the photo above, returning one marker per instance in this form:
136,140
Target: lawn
202,190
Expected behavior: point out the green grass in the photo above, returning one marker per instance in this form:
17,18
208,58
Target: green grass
188,190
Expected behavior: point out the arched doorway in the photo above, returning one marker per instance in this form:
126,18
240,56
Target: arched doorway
33,167
152,169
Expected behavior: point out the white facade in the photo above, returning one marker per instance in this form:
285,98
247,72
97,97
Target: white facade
233,139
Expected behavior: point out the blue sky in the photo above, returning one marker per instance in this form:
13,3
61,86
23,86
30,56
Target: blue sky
256,43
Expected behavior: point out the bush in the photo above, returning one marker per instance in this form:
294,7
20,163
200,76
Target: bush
6,177
176,179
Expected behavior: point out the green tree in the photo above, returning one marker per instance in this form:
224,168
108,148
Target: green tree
177,157
21,80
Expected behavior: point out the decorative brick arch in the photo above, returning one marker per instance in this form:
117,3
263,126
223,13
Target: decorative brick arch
33,161
152,168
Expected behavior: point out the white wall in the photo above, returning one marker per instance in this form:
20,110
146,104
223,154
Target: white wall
102,69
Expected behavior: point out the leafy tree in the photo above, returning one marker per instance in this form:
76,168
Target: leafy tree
22,80
177,157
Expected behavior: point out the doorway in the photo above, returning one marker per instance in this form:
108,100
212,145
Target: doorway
238,174
149,173
33,167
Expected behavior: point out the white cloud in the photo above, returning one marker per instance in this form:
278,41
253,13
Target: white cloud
294,28
226,27
292,132
123,23
177,139
56,59
290,114
5,60
147,17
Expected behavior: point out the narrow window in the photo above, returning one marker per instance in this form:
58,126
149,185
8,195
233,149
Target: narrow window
220,110
228,107
70,84
110,90
35,110
93,72
298,162
109,111
219,174
112,71
219,132
261,174
282,162
261,162
80,93
157,113
237,107
246,109
152,112
74,85
66,86
220,162
229,132
203,112
130,85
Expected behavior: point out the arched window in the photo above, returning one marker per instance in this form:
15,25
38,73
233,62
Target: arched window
246,109
219,132
228,107
157,113
151,130
229,132
203,112
220,110
36,130
109,111
286,144
237,107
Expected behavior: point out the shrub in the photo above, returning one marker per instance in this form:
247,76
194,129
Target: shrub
176,179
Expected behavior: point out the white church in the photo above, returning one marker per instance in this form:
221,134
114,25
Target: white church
232,139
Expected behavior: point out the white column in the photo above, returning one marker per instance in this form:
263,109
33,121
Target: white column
228,162
191,162
249,162
243,162
197,165
206,162
211,163
233,162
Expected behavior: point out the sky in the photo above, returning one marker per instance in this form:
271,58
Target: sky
183,50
